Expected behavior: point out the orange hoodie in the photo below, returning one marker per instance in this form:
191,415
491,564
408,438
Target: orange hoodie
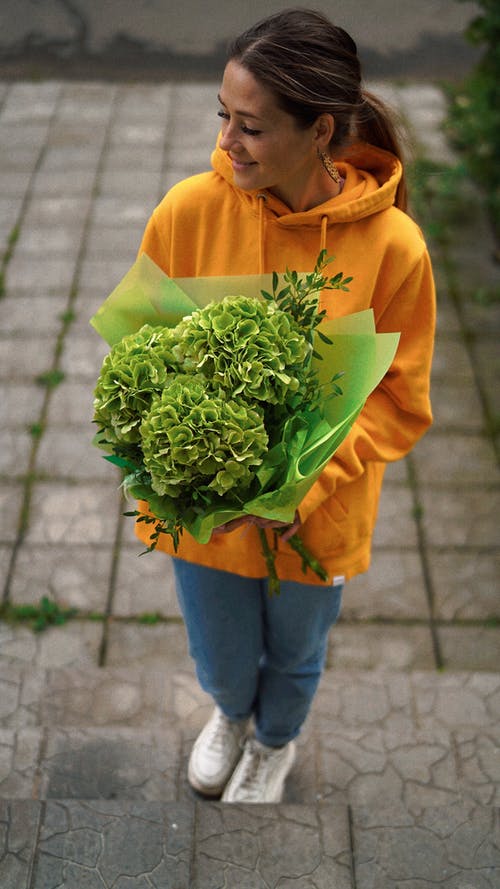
206,225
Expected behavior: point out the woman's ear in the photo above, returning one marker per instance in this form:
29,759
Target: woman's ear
324,128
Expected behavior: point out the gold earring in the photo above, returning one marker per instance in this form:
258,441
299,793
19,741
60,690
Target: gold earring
329,166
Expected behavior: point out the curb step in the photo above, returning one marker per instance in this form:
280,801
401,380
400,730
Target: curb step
397,780
124,844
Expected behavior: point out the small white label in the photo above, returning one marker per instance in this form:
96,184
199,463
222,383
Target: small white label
338,580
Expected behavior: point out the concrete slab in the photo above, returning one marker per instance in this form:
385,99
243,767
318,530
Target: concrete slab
455,846
100,845
110,763
19,824
74,576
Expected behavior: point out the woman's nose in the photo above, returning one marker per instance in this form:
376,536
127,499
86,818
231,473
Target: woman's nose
227,138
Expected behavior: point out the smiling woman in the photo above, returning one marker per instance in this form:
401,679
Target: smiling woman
257,155
306,160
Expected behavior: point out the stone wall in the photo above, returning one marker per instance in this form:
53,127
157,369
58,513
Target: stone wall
165,35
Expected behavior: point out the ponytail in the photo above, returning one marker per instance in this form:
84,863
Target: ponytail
375,124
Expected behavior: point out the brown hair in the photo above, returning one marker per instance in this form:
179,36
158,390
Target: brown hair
312,67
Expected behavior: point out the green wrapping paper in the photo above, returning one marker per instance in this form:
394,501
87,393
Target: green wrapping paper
147,296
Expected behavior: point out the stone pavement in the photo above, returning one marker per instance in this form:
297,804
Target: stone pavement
398,778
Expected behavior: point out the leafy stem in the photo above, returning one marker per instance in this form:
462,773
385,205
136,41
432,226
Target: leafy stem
300,295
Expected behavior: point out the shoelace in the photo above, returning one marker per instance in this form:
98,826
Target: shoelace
255,760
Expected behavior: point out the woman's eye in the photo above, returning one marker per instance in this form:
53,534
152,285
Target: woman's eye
244,129
250,132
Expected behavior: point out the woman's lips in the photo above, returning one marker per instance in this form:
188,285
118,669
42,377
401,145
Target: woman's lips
241,165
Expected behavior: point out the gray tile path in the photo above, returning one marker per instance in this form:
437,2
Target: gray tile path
398,778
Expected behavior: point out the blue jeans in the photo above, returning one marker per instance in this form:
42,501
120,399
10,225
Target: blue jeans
256,654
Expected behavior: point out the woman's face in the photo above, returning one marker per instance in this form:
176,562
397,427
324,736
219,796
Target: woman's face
266,147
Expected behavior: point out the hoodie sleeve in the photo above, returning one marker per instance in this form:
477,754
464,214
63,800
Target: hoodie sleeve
398,412
155,244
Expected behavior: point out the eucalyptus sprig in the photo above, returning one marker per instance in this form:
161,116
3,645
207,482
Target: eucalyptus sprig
300,295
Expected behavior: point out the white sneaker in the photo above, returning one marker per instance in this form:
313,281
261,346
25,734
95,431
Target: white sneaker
260,774
215,753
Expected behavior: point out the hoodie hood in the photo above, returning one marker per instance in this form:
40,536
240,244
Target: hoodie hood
371,179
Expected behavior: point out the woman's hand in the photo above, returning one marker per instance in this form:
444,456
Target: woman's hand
261,523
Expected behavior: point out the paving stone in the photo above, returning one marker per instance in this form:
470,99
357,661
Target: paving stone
470,648
17,310
396,472
10,207
392,588
11,498
83,356
70,157
54,183
73,514
478,756
457,700
6,551
153,575
110,696
456,459
71,404
461,516
36,241
363,766
19,820
372,698
19,755
76,643
12,181
483,319
49,210
456,406
456,847
103,275
23,161
255,847
30,101
48,273
74,576
69,453
451,361
131,158
25,357
145,184
102,763
113,211
124,845
191,705
465,584
15,450
396,510
132,644
302,783
21,690
104,241
89,101
373,646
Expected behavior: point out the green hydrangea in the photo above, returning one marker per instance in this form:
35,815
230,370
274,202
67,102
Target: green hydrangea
195,440
134,370
247,347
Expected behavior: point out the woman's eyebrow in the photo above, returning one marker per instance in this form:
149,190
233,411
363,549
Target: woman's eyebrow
241,113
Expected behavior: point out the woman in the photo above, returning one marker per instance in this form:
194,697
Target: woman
305,160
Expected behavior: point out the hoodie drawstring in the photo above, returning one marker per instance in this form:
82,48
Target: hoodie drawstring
262,200
324,225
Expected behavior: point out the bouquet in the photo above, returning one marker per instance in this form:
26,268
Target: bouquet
217,406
